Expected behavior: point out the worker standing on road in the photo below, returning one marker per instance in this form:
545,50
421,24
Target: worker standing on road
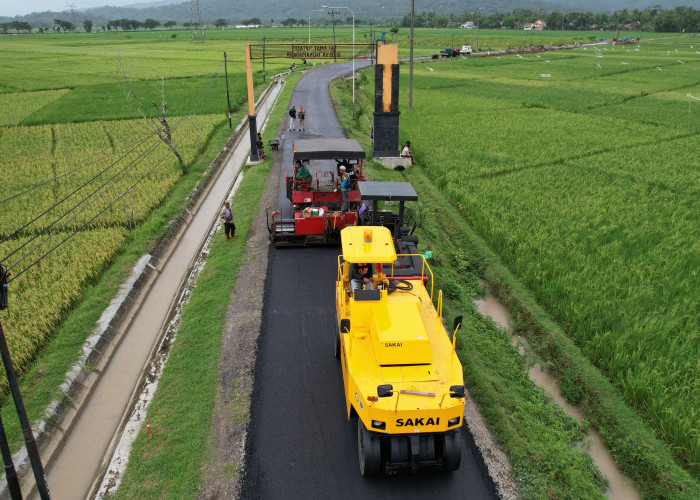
227,217
302,116
292,118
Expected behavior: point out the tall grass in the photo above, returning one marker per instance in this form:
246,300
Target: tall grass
586,182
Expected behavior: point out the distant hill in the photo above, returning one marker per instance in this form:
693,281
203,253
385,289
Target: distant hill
365,10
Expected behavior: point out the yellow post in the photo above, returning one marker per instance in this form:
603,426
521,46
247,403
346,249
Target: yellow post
249,80
252,125
387,55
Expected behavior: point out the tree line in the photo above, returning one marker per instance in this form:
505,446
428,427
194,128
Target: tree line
680,19
654,18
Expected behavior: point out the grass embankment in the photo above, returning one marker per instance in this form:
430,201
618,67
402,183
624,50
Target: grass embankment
542,456
170,463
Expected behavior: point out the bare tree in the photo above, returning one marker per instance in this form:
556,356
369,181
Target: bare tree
158,123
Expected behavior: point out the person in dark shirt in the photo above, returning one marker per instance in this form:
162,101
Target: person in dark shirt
361,276
260,145
292,118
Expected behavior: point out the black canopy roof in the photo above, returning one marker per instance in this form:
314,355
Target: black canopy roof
327,149
399,191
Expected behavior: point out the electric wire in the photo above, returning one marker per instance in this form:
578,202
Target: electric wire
43,183
111,179
20,273
36,186
134,162
211,84
17,231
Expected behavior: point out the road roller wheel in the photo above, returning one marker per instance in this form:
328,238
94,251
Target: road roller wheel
453,452
369,451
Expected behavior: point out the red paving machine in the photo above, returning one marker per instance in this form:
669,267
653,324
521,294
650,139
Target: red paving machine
315,192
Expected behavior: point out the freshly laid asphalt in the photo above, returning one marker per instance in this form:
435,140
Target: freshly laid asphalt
300,443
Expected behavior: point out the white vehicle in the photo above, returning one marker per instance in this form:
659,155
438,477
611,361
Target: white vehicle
466,49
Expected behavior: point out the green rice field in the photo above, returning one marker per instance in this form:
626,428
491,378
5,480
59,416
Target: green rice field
580,169
81,168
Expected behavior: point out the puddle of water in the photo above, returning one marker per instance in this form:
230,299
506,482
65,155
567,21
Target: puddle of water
621,487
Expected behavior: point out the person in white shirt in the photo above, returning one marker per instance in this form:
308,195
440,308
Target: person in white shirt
406,152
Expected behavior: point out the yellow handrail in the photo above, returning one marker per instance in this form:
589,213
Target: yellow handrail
425,267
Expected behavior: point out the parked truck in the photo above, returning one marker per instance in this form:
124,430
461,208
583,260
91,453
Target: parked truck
449,52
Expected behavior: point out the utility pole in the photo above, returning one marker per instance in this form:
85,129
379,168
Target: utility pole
10,472
196,25
29,441
228,100
333,12
477,30
410,60
71,8
562,29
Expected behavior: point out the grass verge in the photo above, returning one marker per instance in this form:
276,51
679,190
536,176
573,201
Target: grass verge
541,442
171,463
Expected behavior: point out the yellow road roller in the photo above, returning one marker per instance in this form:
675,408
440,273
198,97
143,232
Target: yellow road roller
401,375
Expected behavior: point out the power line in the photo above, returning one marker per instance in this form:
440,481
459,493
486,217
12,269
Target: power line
86,223
211,84
134,162
36,186
128,166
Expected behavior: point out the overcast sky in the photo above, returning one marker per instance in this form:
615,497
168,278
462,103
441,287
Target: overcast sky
19,8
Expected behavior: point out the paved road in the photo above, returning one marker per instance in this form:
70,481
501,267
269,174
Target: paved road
300,443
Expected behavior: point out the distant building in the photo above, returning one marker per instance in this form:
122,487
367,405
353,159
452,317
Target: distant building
469,25
538,25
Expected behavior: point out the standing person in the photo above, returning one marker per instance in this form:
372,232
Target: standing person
292,117
302,116
352,175
344,189
303,61
227,217
261,147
